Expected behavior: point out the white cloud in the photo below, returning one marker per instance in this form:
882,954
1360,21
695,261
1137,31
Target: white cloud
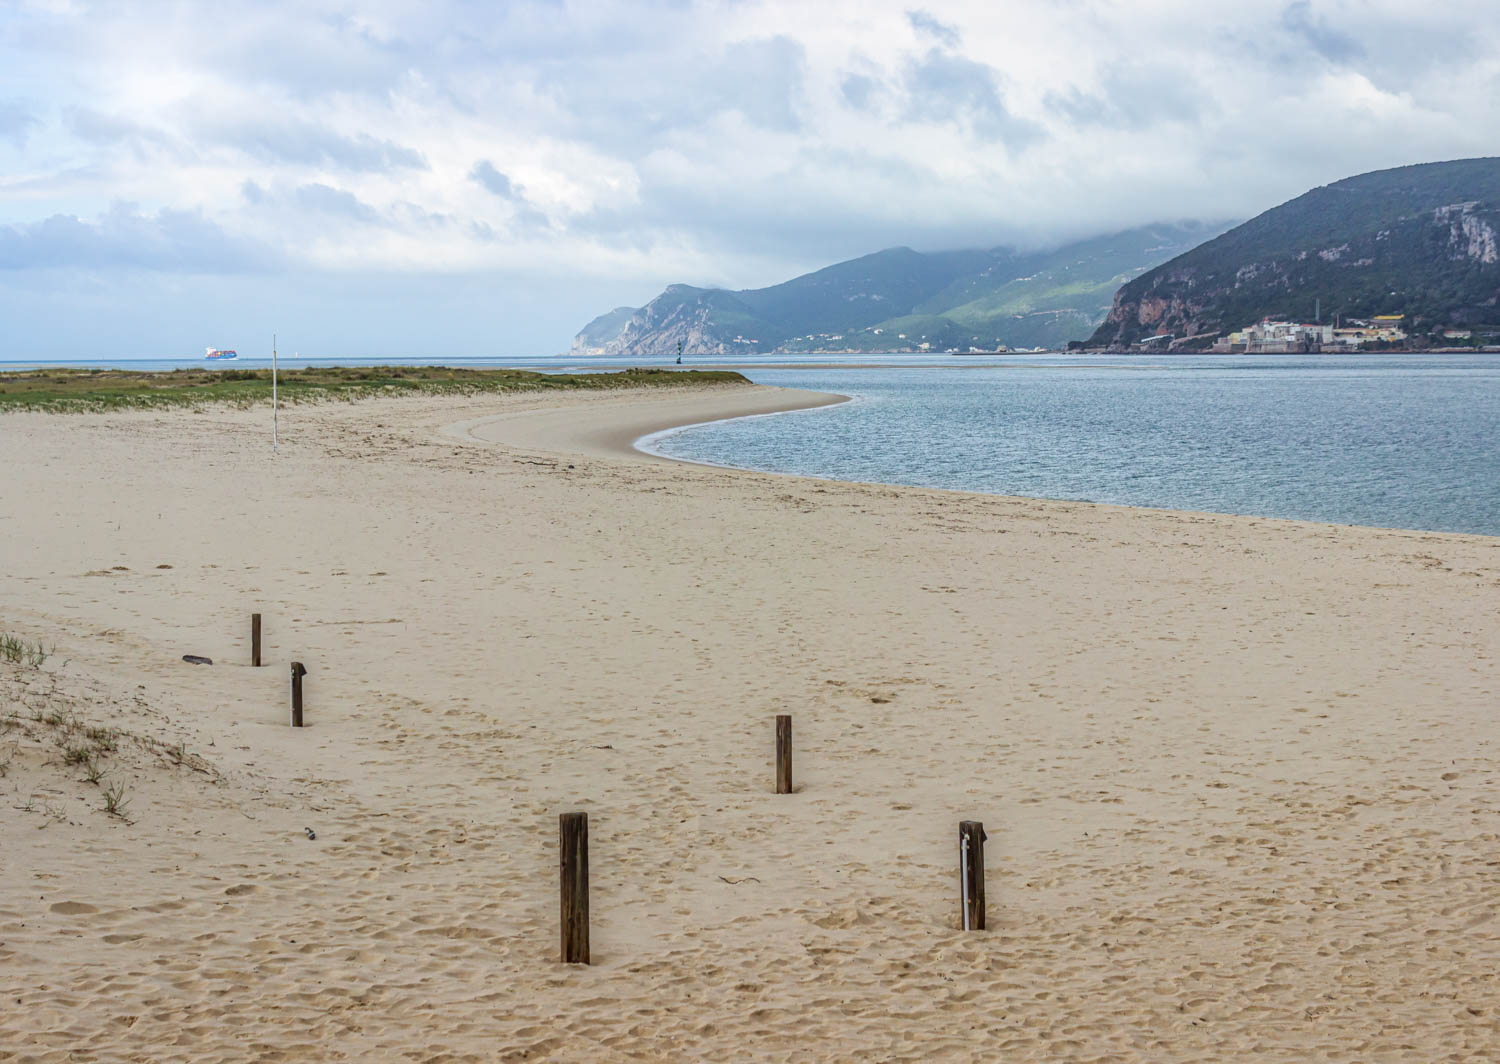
736,141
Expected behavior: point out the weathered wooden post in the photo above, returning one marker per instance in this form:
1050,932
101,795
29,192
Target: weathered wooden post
297,673
971,838
783,754
255,640
573,860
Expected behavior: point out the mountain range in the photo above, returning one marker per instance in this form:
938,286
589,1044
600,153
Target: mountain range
1418,241
900,299
1421,242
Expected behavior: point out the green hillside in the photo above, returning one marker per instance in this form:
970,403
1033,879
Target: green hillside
945,300
860,292
908,332
1418,240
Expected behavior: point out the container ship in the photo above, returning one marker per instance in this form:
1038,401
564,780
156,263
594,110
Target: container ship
214,352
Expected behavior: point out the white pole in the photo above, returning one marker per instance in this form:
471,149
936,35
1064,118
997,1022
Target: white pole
275,440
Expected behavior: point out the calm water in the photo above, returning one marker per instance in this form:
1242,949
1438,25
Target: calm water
1400,441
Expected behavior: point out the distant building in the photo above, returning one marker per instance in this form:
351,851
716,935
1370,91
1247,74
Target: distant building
1384,328
1269,337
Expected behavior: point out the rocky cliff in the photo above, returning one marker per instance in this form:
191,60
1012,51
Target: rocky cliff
1419,241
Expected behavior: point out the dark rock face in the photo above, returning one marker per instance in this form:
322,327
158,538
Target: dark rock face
1419,241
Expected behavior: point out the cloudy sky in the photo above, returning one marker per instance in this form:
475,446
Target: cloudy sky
454,178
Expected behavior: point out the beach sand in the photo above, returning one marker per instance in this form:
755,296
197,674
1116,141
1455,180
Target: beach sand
1238,775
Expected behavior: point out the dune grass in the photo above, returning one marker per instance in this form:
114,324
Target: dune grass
93,390
17,650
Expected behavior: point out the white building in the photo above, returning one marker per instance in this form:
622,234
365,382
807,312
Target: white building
1278,337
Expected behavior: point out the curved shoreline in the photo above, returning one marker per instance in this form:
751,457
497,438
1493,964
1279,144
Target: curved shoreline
616,427
611,428
646,444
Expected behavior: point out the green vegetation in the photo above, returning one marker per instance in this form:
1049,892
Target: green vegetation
48,743
938,332
114,800
74,390
1417,240
79,745
951,299
19,652
862,292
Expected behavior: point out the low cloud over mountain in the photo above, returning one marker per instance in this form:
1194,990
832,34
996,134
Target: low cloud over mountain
589,154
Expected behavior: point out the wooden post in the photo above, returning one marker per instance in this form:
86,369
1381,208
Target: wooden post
573,860
971,838
783,754
255,640
297,673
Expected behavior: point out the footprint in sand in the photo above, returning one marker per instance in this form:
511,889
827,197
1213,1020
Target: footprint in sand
72,908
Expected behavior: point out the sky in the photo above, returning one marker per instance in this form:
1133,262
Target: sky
455,178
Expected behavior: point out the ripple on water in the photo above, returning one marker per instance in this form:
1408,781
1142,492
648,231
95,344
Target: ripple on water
1399,441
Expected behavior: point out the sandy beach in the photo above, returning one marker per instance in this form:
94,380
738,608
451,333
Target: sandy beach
1238,775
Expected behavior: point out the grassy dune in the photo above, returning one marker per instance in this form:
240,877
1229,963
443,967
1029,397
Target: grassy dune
80,390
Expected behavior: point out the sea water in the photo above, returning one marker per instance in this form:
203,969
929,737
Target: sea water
1397,441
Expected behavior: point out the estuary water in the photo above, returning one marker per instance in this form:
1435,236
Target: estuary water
1396,441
